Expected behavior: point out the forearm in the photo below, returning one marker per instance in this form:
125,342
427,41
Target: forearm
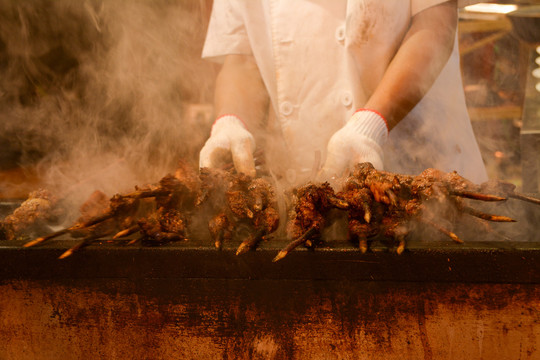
241,91
421,57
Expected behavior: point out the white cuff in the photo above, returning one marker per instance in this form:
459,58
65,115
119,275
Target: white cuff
370,124
226,121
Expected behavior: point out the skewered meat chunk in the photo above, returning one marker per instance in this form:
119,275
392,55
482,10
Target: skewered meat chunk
99,219
95,206
238,199
162,227
378,204
388,205
221,229
173,200
212,200
112,214
310,210
313,202
33,215
265,212
365,214
168,223
368,218
213,186
426,198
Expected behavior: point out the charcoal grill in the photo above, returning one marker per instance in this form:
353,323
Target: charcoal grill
187,300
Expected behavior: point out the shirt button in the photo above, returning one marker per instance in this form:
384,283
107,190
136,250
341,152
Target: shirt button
340,33
346,98
286,108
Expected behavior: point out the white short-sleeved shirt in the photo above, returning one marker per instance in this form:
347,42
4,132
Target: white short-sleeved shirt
304,51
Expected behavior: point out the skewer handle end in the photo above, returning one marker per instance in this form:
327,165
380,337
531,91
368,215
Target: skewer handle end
280,255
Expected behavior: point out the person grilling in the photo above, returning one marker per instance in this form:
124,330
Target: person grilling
322,85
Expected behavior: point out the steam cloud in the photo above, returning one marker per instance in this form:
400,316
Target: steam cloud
93,93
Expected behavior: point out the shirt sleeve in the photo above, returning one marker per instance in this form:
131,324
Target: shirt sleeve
419,5
226,32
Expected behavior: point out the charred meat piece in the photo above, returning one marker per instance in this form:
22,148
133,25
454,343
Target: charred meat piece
99,218
308,219
239,197
115,213
221,229
429,198
175,198
265,212
172,200
214,184
212,202
238,200
378,204
365,215
163,227
33,215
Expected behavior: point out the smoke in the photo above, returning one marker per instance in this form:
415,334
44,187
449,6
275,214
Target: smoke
94,94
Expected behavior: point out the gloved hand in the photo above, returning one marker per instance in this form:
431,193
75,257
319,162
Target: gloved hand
229,137
360,140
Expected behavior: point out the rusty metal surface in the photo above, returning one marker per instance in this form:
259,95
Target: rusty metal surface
472,301
266,319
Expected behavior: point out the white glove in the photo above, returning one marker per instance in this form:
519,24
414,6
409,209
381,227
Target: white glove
360,140
229,137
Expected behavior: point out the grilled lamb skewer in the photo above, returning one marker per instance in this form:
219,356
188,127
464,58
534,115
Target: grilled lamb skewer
312,205
426,197
118,208
173,195
377,203
265,212
238,199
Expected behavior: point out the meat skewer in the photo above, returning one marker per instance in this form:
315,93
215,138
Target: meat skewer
265,218
83,243
240,200
424,198
312,205
55,234
295,243
442,229
383,203
476,195
489,217
100,217
377,204
251,242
